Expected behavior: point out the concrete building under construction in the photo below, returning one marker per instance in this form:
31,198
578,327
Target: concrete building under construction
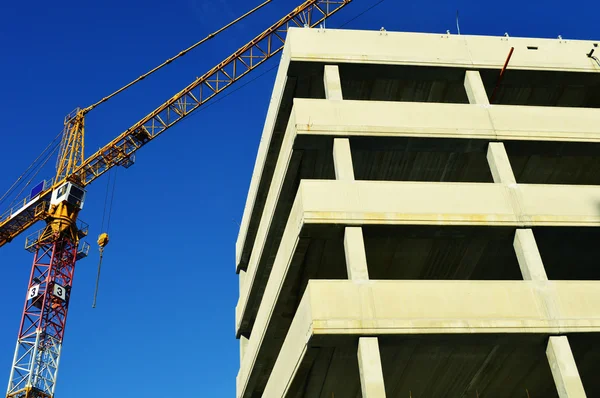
422,220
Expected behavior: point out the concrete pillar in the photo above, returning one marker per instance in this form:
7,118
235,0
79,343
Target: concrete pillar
342,159
369,365
243,346
333,84
563,367
528,256
499,164
475,88
356,257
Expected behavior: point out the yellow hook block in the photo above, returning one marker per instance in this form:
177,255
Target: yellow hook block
103,240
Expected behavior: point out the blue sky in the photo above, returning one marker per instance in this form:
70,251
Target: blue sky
164,325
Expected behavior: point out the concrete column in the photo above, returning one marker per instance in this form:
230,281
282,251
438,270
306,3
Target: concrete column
528,256
475,88
333,84
356,257
564,370
369,365
243,346
499,164
342,159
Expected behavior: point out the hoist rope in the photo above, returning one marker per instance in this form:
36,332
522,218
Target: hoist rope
98,277
107,205
181,54
105,201
112,196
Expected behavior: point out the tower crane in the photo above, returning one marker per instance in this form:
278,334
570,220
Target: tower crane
58,246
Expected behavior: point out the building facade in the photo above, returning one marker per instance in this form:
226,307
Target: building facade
422,220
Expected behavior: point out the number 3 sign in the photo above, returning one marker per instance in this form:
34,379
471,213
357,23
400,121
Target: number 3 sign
33,292
60,292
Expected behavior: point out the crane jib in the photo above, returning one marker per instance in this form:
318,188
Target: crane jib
247,58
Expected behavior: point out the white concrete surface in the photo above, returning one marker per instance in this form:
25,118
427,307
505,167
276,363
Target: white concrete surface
263,148
332,82
285,157
333,46
356,258
362,307
500,164
369,365
379,202
379,308
475,88
528,256
243,346
564,369
355,203
342,159
412,119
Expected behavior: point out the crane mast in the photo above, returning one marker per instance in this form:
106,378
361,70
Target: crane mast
58,246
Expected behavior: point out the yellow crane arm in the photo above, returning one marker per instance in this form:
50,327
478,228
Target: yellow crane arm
233,68
311,13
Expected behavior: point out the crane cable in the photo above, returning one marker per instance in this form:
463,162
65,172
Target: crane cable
103,237
181,54
26,173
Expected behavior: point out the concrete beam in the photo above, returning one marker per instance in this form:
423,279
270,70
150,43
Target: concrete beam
500,164
564,369
356,258
332,82
357,203
528,256
334,308
462,51
385,202
411,119
342,159
475,88
369,366
406,307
